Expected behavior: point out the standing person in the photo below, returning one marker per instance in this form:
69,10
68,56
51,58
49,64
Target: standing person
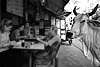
55,38
69,37
5,56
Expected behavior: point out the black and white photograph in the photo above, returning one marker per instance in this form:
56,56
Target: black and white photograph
49,33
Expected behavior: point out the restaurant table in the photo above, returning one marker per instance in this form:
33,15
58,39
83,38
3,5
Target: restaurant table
3,49
30,48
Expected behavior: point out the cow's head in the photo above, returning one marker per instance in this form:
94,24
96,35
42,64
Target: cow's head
80,21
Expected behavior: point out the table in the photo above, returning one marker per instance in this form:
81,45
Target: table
36,47
3,49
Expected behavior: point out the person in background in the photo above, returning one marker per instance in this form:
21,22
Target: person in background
27,30
5,28
18,33
69,37
48,36
54,37
5,56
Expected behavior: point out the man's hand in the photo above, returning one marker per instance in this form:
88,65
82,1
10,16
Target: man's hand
38,38
12,42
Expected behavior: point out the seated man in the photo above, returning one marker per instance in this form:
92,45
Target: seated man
54,39
28,31
18,33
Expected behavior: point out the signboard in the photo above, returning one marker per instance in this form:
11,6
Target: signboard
62,24
52,20
58,23
15,7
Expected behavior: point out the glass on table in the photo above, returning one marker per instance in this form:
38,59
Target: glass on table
27,44
32,43
22,44
12,42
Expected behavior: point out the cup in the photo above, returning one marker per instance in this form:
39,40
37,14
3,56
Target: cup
22,44
32,43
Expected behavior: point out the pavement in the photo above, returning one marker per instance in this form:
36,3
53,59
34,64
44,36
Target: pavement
72,56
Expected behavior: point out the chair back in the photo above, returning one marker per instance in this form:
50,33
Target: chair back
54,50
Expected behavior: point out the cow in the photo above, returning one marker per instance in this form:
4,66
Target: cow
88,32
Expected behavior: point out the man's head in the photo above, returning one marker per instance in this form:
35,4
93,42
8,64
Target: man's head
5,25
27,25
21,27
53,30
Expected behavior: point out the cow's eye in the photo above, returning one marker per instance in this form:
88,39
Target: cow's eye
82,21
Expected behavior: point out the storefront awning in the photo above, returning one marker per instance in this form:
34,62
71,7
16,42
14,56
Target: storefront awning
56,6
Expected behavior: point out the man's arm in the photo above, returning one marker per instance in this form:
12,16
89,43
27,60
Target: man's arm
50,42
44,42
53,40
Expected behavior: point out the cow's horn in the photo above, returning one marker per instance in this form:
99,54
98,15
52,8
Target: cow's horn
75,11
94,10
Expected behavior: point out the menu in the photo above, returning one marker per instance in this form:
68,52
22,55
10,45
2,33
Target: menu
15,7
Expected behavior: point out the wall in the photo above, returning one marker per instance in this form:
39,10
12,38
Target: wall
15,20
7,15
4,13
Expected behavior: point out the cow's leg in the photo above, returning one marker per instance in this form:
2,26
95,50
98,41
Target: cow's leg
85,50
96,61
93,59
90,56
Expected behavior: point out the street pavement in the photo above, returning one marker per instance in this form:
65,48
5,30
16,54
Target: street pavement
72,56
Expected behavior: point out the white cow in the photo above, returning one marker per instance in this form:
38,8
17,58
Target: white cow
89,33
